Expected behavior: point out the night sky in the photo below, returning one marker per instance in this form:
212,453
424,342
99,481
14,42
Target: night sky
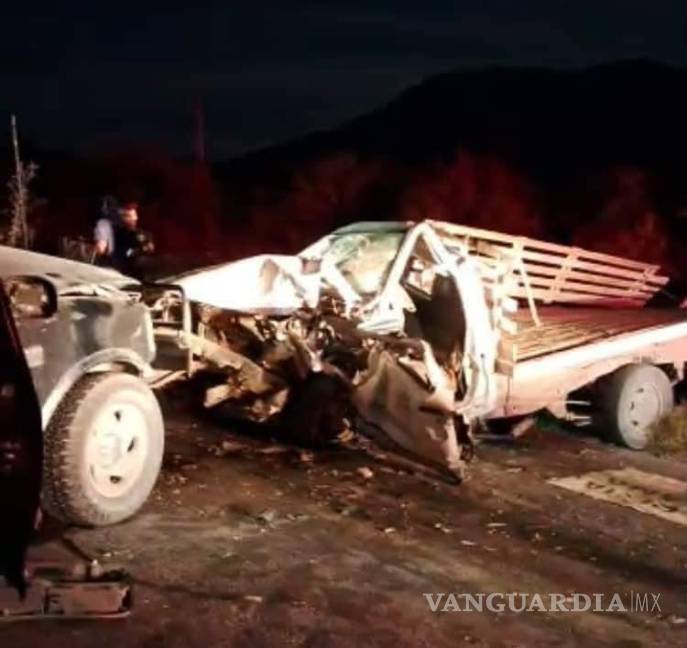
90,76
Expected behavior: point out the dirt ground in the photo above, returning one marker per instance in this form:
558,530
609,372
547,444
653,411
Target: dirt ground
257,544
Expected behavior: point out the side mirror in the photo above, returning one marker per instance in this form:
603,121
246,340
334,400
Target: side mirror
31,297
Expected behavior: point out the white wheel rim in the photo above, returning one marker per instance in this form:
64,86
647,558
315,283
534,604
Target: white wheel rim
644,408
117,449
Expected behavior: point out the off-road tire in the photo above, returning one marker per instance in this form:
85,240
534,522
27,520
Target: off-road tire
628,399
68,494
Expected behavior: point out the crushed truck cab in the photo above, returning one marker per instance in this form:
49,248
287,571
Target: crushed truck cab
429,329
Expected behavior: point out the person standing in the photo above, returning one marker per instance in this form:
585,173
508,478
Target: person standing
130,243
104,233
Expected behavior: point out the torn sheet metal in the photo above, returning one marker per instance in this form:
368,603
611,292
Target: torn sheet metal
413,401
267,284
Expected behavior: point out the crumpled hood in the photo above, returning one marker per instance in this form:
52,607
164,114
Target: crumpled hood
266,284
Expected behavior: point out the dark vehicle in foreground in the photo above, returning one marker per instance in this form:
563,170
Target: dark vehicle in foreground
20,451
88,342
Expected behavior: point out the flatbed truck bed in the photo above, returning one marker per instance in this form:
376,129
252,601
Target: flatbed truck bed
563,328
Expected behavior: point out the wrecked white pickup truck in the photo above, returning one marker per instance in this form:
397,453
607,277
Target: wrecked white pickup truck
425,330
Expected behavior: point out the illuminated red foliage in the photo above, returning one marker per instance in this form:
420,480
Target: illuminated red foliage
474,190
185,215
178,202
198,218
321,196
628,223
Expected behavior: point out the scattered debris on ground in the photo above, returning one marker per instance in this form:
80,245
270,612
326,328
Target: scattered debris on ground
365,472
262,548
82,592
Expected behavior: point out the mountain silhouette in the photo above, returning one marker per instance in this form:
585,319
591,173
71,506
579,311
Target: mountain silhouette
548,123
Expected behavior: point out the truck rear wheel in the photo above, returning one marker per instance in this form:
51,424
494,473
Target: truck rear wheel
634,398
103,450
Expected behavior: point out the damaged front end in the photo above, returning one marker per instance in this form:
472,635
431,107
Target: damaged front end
253,331
255,362
371,320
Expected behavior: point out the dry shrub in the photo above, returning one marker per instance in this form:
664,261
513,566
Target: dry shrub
669,435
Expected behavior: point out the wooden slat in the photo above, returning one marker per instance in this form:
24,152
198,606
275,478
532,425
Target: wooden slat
463,231
578,282
577,287
569,298
556,261
539,271
490,253
600,280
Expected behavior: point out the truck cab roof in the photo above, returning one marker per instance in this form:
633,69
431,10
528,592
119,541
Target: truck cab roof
374,226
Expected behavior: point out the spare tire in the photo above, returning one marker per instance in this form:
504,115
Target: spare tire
633,399
103,450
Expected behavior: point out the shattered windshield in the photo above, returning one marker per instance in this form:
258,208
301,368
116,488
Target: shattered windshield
364,258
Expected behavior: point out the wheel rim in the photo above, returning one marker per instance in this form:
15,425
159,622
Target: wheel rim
644,408
117,449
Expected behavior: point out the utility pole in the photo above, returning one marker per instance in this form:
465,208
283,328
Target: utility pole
199,135
19,230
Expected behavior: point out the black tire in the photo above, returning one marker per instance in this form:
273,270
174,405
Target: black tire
85,487
314,412
633,399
